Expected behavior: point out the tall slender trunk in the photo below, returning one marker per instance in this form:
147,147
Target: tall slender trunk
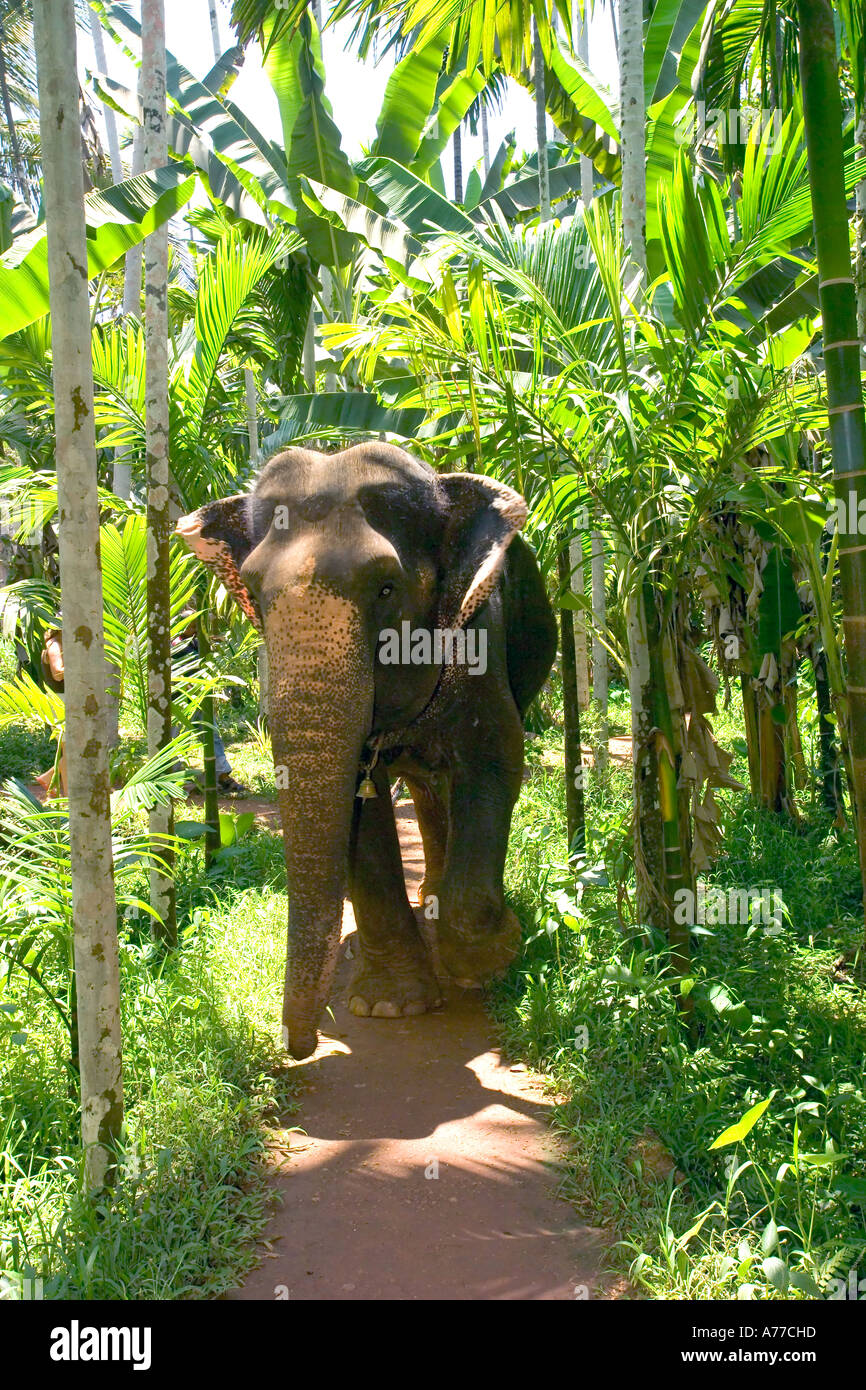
107,113
159,527
587,177
208,725
485,140
822,110
8,116
633,129
831,782
599,651
578,586
214,30
574,774
751,728
94,906
540,125
457,144
132,264
253,436
308,364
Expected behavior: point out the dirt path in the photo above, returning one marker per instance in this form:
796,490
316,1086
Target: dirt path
386,1106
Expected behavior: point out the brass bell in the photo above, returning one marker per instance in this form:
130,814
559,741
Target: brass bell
367,789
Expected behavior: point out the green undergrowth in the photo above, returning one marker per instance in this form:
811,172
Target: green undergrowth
203,1076
779,1016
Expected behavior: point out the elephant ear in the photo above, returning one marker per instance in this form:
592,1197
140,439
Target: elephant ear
218,534
484,516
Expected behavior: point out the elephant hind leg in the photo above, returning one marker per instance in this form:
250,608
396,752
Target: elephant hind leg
432,812
395,976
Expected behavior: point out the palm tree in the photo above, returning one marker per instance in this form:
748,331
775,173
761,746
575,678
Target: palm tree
159,522
94,904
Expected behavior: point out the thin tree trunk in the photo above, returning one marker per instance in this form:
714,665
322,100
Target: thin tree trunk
17,166
107,113
159,526
253,436
599,651
540,125
822,110
753,740
457,141
578,586
214,30
831,783
252,415
309,354
633,129
94,906
208,724
121,480
485,140
132,264
574,773
586,169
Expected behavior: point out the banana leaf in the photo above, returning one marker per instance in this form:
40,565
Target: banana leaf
117,218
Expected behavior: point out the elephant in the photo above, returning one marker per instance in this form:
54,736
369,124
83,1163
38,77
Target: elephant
407,629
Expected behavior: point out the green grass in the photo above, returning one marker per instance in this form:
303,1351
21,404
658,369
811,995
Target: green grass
781,1016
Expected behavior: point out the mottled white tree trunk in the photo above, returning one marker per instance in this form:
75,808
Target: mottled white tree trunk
633,129
159,525
586,172
107,112
540,125
94,907
132,264
214,30
485,140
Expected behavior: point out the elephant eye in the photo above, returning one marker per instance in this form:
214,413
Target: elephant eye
386,591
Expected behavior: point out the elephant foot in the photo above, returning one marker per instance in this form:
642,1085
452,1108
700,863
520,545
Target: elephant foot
382,991
473,958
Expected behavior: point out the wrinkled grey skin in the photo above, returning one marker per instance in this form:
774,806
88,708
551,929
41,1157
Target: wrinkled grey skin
326,553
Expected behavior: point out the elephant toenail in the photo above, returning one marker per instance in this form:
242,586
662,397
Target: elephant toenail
359,1007
385,1009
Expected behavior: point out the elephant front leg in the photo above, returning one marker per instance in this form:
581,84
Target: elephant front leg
395,976
478,935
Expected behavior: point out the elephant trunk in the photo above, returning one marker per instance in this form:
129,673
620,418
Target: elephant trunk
321,704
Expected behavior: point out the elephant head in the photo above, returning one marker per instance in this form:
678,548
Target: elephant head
324,554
